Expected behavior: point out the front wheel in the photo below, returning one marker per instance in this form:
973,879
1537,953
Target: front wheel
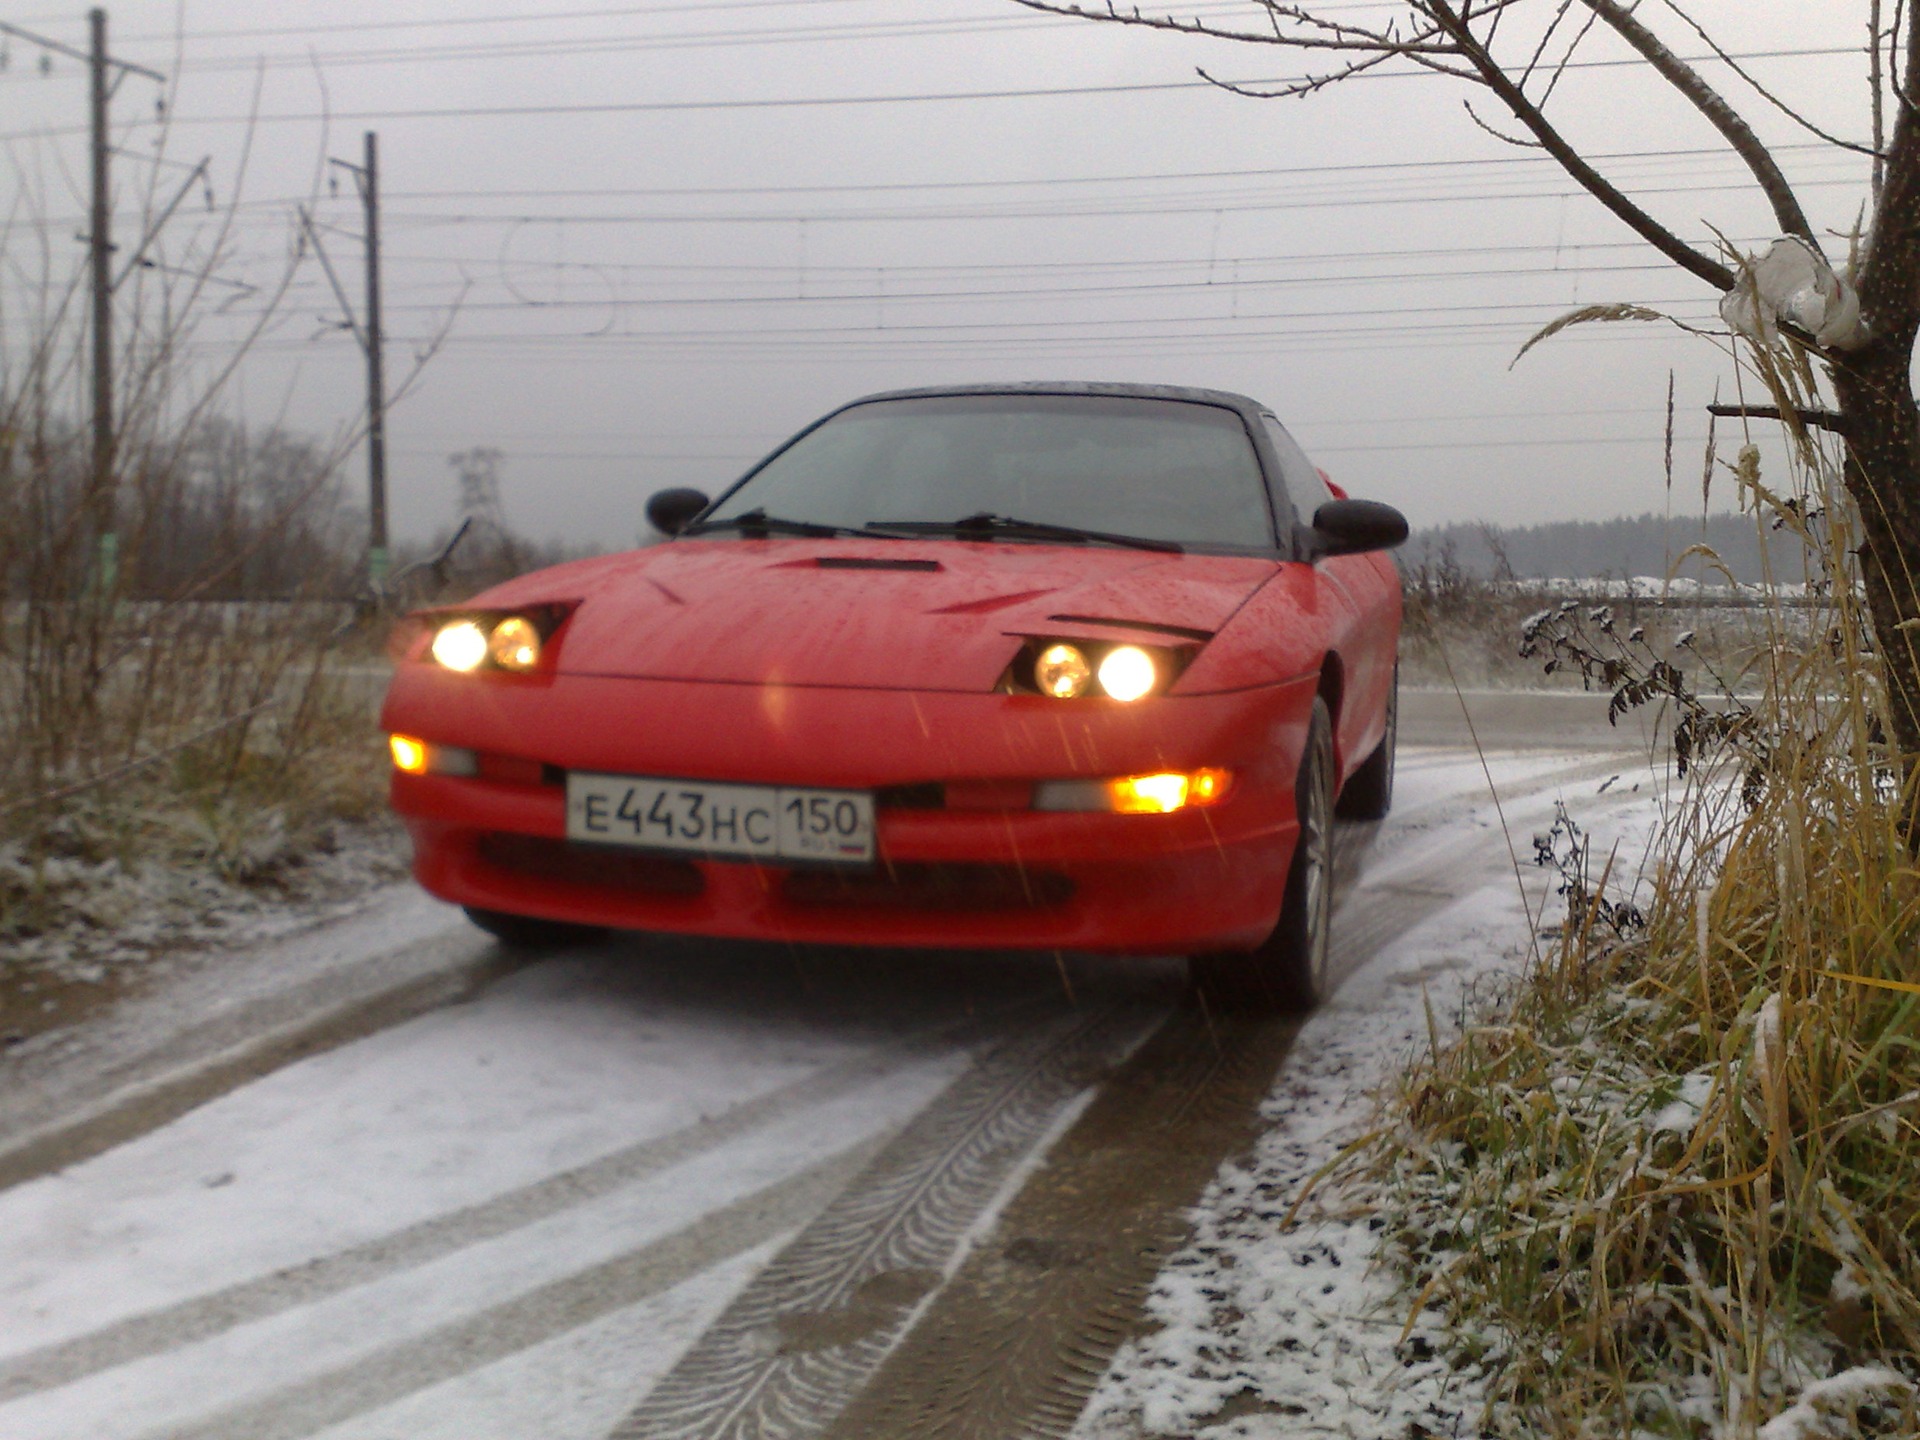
1288,971
527,932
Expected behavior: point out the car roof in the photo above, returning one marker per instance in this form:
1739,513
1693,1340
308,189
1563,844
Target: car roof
1247,407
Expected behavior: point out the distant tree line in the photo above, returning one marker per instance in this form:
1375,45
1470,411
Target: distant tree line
1646,544
216,513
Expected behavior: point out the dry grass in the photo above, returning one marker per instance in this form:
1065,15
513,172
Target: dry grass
1673,1178
173,691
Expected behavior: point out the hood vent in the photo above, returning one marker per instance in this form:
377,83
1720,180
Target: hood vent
858,562
1185,632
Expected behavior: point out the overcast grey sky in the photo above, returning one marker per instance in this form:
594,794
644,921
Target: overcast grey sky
677,231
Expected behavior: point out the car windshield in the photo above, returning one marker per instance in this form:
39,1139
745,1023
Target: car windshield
1158,469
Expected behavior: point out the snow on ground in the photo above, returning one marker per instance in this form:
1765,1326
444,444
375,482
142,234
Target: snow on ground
552,1072
1271,1332
121,927
216,1222
560,1389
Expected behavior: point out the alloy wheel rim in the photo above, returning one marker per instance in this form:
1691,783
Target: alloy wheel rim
1319,891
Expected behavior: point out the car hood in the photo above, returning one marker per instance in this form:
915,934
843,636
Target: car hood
933,615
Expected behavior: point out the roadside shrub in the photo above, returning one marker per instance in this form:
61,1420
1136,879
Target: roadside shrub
1674,1169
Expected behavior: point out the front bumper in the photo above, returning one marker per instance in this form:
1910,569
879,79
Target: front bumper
1195,880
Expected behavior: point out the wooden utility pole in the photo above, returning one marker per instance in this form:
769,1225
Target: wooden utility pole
366,176
100,243
99,240
376,378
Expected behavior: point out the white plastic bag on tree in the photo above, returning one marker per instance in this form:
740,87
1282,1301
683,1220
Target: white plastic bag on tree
1792,282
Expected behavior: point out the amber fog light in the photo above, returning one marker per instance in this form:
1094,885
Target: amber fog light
1157,794
418,757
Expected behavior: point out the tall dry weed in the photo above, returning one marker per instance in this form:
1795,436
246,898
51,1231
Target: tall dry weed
177,693
1671,1185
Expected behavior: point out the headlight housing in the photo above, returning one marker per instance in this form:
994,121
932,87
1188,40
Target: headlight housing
1072,669
516,641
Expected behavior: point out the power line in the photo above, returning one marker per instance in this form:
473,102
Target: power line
809,102
870,298
1082,334
604,44
1332,197
1713,154
545,17
735,457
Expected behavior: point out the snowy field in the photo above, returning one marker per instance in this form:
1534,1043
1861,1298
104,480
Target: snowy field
512,1217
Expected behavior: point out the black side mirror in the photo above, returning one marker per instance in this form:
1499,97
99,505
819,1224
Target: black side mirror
1349,527
669,511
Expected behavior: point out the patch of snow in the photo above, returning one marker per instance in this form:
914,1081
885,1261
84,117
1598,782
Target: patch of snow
1679,1115
1272,1324
1826,1408
551,1068
601,1371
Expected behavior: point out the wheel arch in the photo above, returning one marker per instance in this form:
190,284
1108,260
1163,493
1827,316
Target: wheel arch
1332,689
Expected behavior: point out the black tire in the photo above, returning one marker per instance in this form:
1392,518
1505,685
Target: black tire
1289,970
526,932
1369,791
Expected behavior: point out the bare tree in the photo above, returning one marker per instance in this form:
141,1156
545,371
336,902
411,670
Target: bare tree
1517,52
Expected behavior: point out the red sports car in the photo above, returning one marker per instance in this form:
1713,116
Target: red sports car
1069,667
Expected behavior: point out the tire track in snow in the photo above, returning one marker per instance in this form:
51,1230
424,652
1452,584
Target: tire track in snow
309,1406
802,1338
1014,1343
206,1316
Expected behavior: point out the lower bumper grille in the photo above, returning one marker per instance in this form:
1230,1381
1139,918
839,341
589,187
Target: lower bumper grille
591,865
929,887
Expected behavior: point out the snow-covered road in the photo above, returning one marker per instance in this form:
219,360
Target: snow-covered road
668,1188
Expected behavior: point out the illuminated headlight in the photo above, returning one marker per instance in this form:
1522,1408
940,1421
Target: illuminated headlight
1076,669
460,646
512,640
1062,671
514,644
1127,672
1161,793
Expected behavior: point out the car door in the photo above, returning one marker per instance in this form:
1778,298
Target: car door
1360,598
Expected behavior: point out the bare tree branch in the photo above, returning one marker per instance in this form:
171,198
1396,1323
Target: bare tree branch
1528,114
1812,419
1889,302
1877,88
1442,32
1514,140
1338,36
1720,52
1565,60
1546,39
1704,98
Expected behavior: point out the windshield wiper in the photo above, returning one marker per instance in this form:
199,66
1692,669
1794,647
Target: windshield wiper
757,522
985,525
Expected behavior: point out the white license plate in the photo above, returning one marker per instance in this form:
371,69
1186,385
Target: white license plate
772,822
